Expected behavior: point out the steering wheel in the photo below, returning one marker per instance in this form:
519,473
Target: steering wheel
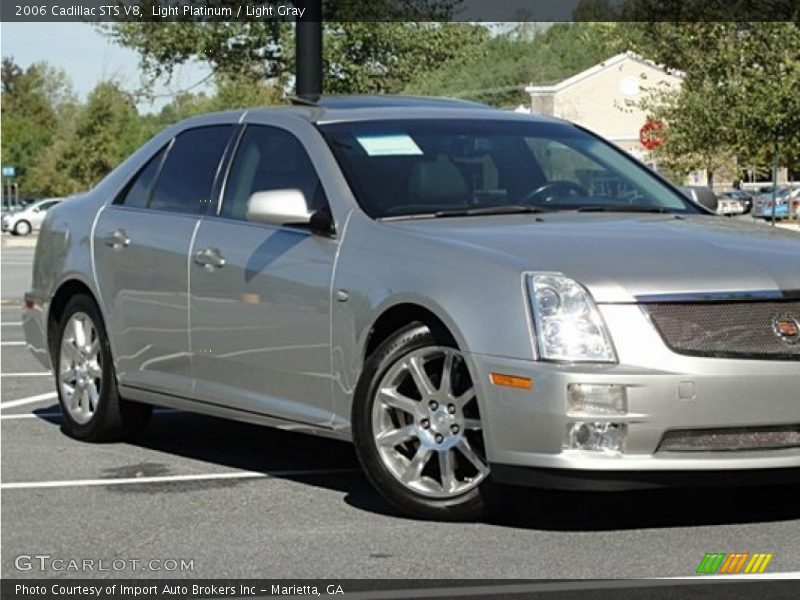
569,187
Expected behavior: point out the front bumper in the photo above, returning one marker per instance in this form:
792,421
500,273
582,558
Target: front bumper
665,392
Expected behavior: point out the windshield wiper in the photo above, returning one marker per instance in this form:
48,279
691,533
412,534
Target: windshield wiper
513,209
637,209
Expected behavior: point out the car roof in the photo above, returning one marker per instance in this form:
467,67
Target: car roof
336,109
386,101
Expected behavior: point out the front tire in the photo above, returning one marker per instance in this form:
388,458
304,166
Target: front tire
86,382
417,429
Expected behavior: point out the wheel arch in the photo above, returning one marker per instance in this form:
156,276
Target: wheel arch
65,291
396,316
23,220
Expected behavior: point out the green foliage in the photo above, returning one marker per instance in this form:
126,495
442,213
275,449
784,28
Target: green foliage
36,105
498,72
368,58
254,48
359,57
107,131
61,147
738,103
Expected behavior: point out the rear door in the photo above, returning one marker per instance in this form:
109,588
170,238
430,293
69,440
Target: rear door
141,245
260,293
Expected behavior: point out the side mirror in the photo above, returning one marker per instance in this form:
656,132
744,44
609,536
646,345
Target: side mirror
279,207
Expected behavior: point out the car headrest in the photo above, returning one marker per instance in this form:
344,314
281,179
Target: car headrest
436,181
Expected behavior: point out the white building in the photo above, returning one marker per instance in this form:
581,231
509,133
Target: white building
607,98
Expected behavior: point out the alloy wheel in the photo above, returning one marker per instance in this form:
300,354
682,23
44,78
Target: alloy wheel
426,424
80,370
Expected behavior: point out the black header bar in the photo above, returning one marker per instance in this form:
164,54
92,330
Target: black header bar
158,11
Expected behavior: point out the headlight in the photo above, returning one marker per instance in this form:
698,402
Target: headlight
568,325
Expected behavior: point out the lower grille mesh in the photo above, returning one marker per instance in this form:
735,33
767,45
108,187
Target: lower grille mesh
731,439
725,329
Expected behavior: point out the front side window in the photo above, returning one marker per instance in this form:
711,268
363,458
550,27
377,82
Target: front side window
268,158
185,182
434,167
45,205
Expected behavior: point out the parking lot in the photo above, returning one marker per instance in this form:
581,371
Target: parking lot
235,500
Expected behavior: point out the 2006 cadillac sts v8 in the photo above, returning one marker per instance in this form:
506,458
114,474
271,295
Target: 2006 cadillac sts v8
468,295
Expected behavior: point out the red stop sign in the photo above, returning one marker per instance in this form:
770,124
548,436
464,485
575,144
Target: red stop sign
651,135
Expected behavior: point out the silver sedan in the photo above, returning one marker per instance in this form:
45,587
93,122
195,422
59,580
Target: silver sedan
470,296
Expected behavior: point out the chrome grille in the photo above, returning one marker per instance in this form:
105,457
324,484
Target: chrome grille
731,439
727,329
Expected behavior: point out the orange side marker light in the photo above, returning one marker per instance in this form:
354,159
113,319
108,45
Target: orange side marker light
512,381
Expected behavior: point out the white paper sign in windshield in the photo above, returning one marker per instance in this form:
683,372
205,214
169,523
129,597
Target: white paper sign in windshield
389,145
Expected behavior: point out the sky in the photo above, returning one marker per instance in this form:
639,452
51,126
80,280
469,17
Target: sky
87,57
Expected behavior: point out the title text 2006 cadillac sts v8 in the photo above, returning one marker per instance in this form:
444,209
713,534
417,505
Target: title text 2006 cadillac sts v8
468,295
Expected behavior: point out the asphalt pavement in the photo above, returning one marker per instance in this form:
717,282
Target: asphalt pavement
16,267
234,500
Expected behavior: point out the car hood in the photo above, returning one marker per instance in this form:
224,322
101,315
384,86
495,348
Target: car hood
622,258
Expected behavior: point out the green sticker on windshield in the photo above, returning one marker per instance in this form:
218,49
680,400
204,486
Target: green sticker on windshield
389,145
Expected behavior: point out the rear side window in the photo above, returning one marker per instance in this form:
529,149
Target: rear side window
137,192
185,182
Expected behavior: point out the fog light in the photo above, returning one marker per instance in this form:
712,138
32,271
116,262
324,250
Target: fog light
597,437
596,399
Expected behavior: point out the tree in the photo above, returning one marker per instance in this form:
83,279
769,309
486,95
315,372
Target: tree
107,131
384,57
738,103
498,70
361,56
36,104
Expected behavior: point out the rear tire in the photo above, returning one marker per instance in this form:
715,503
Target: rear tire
86,381
417,431
22,228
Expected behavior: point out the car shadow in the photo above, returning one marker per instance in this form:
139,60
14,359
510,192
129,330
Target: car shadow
332,464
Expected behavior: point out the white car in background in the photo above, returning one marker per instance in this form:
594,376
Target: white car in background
730,206
22,222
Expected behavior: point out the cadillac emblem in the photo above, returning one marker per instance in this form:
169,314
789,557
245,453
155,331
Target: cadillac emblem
787,328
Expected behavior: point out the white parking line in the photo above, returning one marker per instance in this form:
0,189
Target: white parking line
26,485
44,415
12,343
9,323
28,400
35,374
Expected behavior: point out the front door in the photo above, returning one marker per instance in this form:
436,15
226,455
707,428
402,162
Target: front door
260,294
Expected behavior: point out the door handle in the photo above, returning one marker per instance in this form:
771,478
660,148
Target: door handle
118,239
210,258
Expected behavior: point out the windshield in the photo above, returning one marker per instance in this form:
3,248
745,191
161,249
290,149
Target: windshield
452,167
